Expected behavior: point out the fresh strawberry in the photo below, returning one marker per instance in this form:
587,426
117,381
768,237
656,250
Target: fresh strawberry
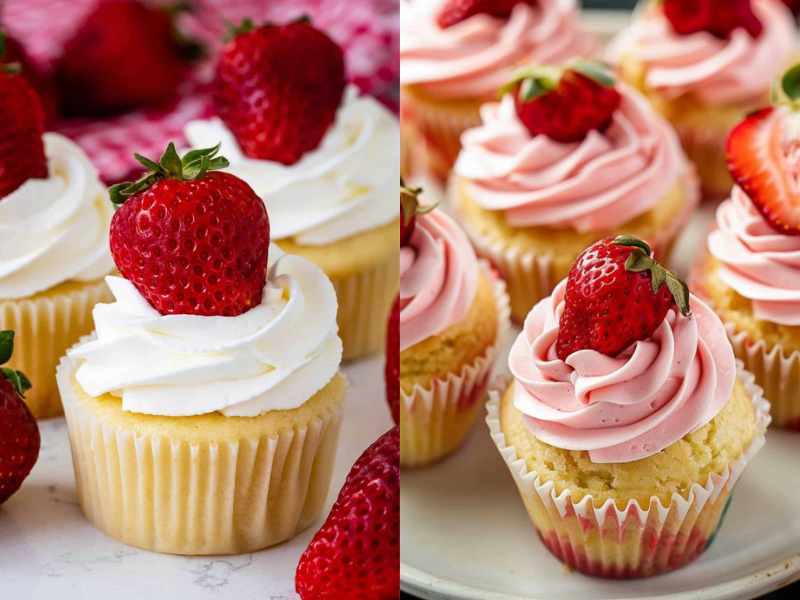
125,55
565,105
717,17
392,369
616,294
191,239
14,53
278,88
356,553
21,128
19,434
455,11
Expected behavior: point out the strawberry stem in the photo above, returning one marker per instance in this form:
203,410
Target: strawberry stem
409,199
19,382
194,165
640,260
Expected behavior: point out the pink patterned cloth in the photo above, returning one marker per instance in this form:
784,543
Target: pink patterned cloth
366,29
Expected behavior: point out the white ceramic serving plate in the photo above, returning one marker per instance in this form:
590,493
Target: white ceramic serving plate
464,532
48,550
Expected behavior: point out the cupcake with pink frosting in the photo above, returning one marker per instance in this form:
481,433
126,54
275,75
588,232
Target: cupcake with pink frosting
455,54
453,315
567,157
627,421
751,273
705,73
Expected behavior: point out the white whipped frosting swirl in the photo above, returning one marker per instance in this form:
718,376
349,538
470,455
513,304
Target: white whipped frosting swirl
345,186
273,357
56,229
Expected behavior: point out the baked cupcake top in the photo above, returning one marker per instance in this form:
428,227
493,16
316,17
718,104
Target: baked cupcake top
625,385
55,229
438,275
599,176
714,65
474,56
208,317
324,159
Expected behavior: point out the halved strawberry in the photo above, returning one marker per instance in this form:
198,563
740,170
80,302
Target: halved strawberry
565,104
717,17
455,11
756,154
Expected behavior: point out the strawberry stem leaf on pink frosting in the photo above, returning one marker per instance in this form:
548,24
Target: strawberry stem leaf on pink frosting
19,382
641,261
537,81
789,90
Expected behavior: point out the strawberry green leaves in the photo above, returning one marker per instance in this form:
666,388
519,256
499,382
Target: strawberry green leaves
17,379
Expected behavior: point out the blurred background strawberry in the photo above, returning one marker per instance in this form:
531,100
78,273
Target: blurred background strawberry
82,50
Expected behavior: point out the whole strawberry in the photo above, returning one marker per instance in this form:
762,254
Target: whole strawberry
717,17
760,152
21,148
14,53
616,294
392,369
125,55
356,553
278,88
19,434
191,239
455,11
565,104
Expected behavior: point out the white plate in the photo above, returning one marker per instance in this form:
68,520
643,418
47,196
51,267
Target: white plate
464,533
48,550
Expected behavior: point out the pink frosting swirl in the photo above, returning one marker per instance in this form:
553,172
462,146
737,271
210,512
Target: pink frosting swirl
438,278
628,407
602,182
477,56
714,70
760,263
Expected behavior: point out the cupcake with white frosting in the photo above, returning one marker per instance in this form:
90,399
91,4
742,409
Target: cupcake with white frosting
54,252
331,199
204,411
705,74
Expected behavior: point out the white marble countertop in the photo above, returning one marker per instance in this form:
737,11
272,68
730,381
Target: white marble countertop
49,551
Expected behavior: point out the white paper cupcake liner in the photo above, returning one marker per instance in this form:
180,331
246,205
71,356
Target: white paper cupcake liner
636,541
434,420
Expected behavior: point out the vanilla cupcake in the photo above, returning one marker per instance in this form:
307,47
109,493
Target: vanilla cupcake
53,257
336,207
531,203
204,411
452,62
705,77
453,313
626,460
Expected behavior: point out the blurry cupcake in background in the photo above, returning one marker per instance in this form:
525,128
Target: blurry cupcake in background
454,55
54,218
751,274
453,314
324,160
704,66
627,421
568,156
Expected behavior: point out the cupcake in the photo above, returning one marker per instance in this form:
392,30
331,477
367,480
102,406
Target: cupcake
705,74
453,314
567,157
454,55
751,273
627,421
324,160
204,411
54,219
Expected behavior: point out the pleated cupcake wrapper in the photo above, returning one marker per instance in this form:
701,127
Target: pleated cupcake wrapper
606,541
439,128
776,371
365,300
435,419
45,327
199,498
529,275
